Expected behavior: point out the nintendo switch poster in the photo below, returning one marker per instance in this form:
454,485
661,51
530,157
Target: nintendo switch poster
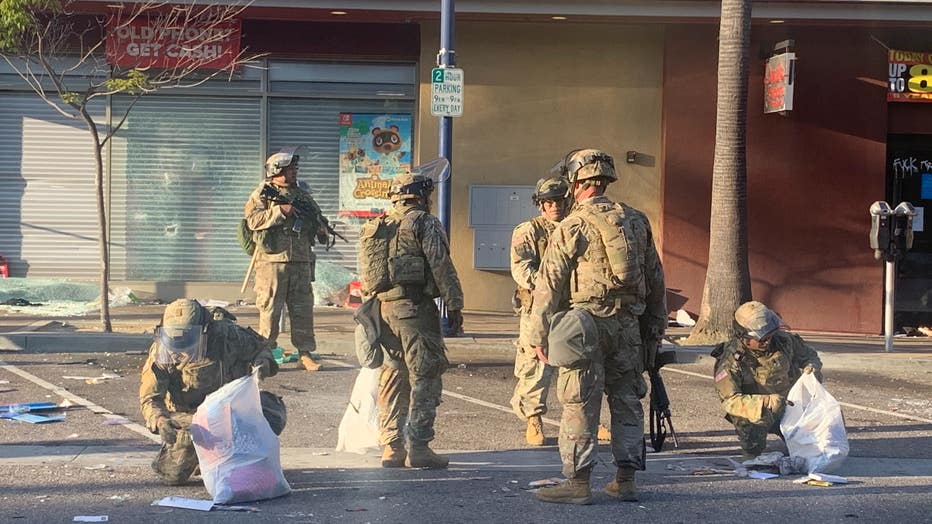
374,148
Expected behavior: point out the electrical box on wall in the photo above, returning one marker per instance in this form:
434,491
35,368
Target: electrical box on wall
494,211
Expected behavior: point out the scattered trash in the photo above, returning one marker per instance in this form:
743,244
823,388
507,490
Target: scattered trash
96,467
320,454
331,283
27,407
4,381
553,481
34,419
65,404
712,471
286,387
7,390
93,380
223,507
279,355
121,498
73,435
184,503
116,421
353,510
683,318
213,303
461,366
762,475
91,518
134,352
20,302
821,480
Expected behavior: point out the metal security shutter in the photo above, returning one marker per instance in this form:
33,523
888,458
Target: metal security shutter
183,167
314,123
48,207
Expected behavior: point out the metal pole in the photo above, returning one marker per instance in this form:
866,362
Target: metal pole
446,57
888,295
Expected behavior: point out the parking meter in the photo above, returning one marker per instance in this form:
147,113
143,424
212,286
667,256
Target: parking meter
903,226
881,215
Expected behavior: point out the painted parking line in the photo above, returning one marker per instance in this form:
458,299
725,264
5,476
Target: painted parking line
845,404
71,397
460,396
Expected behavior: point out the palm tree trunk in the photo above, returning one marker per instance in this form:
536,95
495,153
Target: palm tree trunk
728,281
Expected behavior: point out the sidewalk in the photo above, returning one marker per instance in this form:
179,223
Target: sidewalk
489,337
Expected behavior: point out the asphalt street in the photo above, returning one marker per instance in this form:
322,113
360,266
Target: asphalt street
88,465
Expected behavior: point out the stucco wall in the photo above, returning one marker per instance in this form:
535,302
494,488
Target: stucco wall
532,93
812,174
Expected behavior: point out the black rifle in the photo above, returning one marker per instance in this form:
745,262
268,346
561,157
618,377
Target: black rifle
304,210
660,420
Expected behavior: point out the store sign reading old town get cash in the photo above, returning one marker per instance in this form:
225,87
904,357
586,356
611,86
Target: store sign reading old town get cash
910,76
146,43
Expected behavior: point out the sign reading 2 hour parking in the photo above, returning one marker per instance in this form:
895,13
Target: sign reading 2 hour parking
446,93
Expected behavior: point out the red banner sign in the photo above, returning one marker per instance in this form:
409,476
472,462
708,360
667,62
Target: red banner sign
144,43
910,76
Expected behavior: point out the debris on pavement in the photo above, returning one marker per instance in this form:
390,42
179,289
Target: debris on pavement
93,380
172,501
26,407
32,418
553,481
761,475
822,480
91,518
279,355
116,420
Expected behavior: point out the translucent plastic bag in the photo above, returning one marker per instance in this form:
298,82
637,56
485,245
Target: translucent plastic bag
359,429
813,426
238,452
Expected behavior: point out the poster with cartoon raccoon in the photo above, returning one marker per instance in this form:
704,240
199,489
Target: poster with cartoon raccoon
374,148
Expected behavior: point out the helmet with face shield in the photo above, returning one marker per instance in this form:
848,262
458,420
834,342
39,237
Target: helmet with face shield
181,338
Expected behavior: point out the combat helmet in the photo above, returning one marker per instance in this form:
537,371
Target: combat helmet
757,321
410,185
278,162
553,188
584,164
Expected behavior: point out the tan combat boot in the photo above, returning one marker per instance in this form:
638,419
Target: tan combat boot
571,491
421,456
535,431
308,362
623,486
394,455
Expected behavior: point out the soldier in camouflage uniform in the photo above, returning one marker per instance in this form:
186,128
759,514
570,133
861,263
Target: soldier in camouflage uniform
416,270
755,371
528,243
602,260
197,351
284,258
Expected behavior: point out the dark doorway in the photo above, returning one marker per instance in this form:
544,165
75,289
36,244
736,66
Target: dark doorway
909,179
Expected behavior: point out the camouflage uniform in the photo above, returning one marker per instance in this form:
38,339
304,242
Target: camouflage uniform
745,378
284,267
575,264
528,244
410,382
175,391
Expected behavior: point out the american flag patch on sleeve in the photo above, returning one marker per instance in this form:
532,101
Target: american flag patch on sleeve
720,375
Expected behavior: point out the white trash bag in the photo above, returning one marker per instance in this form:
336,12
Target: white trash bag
359,429
236,448
813,426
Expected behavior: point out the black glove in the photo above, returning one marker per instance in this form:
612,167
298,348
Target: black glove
168,430
263,365
454,322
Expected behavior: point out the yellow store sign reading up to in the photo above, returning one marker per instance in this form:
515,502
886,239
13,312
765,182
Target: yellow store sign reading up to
910,76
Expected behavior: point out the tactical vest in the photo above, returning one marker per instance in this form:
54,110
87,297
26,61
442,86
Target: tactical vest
391,261
541,229
611,269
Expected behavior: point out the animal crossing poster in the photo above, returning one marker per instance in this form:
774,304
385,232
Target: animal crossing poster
374,148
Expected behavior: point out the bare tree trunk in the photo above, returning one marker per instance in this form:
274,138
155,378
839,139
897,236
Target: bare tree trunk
105,324
728,281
